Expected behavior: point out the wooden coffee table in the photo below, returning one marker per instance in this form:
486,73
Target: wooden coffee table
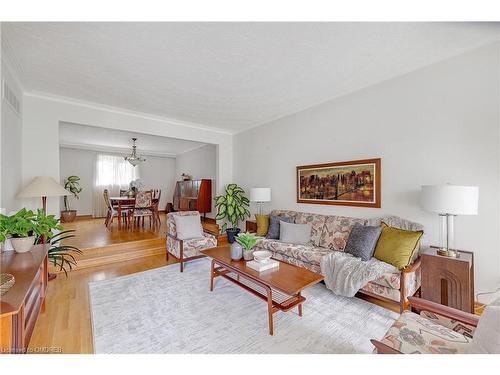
280,287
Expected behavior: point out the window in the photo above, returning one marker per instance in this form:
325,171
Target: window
114,170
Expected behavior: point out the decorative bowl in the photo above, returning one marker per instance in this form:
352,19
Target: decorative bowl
6,282
262,256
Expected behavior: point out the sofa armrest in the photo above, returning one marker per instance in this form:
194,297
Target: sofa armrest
412,267
420,304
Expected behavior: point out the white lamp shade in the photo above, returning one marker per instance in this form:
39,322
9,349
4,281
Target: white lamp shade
260,195
450,199
43,186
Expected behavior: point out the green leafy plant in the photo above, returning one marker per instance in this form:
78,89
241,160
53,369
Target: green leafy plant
72,185
45,225
247,240
21,224
232,207
60,255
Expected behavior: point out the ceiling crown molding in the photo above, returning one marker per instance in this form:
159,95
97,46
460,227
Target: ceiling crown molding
124,111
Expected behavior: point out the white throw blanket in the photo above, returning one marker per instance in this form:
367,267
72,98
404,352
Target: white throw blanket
346,274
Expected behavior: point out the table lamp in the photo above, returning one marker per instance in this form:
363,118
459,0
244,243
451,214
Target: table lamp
260,195
43,187
449,201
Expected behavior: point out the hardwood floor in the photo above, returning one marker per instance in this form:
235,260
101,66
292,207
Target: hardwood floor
92,233
65,325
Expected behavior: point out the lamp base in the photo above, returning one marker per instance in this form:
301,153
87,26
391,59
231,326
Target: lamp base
448,253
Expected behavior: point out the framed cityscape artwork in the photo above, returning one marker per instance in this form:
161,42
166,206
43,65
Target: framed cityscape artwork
348,183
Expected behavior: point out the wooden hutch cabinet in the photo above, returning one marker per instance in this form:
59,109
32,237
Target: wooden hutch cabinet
193,195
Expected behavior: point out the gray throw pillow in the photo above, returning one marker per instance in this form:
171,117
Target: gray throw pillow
188,227
362,241
274,226
298,234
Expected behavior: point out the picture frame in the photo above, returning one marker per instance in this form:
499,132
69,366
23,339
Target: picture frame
348,183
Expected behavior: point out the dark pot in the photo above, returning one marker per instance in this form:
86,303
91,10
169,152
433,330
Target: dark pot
232,233
68,216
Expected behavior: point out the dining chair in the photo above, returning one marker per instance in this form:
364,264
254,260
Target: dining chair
156,202
143,207
112,211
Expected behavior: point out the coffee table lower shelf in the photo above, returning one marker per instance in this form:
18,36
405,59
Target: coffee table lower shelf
276,300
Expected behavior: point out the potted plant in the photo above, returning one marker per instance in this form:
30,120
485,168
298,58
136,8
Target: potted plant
72,185
247,241
232,207
20,228
60,255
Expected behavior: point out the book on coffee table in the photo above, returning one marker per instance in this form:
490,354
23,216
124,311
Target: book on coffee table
258,266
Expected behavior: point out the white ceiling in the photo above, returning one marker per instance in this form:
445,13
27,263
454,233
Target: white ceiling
117,141
229,76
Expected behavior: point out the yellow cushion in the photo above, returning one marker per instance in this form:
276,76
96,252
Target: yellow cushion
397,246
262,224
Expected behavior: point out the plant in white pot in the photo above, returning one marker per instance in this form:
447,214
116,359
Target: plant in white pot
24,227
20,229
247,241
72,185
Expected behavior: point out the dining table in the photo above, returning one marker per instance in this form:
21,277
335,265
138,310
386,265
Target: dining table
123,203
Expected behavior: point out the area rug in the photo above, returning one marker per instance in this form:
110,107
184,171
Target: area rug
165,311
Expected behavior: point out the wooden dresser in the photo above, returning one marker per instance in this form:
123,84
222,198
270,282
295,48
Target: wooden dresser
193,195
21,305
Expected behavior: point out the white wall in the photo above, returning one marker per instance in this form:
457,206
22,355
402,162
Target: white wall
42,115
199,163
10,146
156,173
436,125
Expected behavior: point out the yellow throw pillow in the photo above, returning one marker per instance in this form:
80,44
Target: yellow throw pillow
262,224
397,246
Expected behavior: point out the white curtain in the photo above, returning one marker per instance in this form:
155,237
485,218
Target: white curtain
111,172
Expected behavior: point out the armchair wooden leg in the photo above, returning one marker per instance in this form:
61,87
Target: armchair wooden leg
167,256
181,253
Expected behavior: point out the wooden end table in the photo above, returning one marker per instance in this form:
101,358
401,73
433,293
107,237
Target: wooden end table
280,287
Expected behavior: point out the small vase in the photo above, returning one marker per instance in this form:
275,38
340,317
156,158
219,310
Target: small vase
248,254
236,251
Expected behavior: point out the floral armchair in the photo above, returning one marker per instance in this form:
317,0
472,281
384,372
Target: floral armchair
185,250
434,329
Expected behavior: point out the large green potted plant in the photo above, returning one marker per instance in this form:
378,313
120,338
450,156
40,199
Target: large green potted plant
232,207
72,185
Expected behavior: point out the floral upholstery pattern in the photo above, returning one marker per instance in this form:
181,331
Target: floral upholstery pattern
336,231
296,262
305,253
391,293
414,334
462,328
191,247
317,224
143,199
393,280
286,213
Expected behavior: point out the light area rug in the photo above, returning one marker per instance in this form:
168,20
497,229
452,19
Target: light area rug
165,311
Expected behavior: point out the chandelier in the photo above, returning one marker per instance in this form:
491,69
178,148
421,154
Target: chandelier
133,158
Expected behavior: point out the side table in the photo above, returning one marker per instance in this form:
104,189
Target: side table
448,281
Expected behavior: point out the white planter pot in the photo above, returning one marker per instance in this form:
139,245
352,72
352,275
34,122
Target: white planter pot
22,244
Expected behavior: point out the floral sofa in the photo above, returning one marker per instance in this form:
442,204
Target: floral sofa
330,233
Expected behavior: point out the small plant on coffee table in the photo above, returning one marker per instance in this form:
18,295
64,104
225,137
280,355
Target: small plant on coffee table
247,240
